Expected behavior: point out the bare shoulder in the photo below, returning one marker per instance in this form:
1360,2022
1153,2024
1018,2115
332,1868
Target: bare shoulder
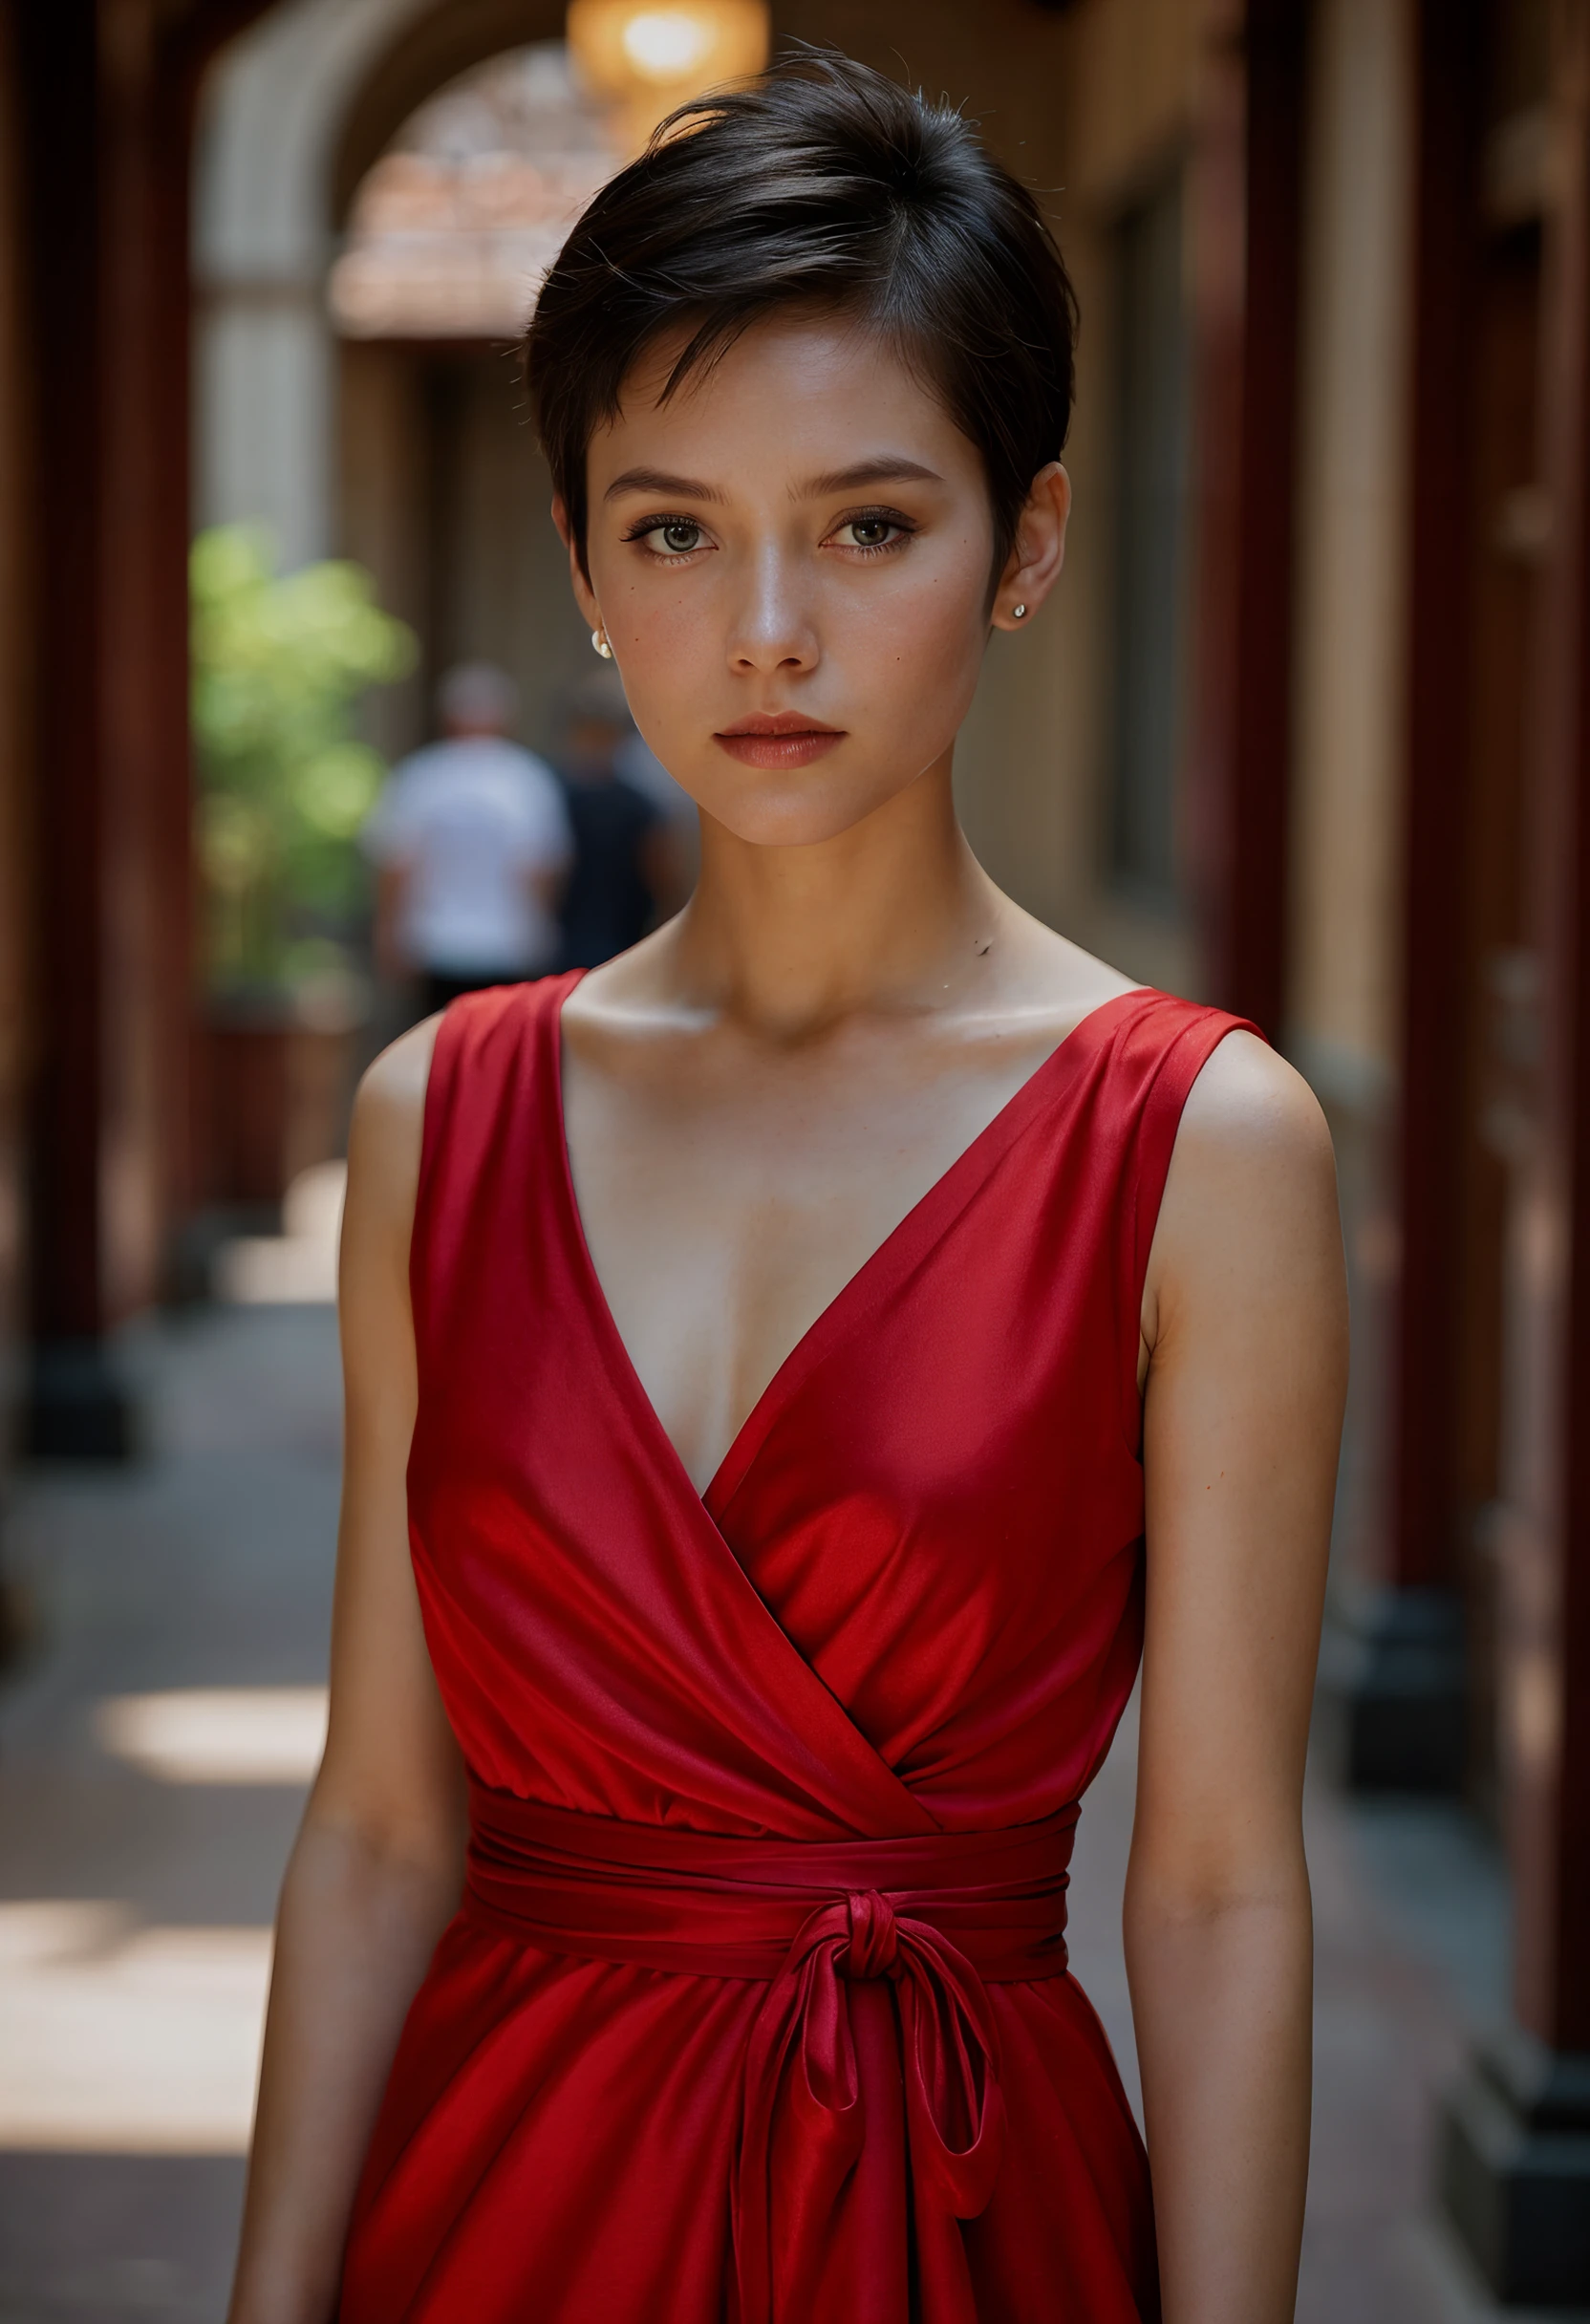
1249,1108
1250,1204
388,1125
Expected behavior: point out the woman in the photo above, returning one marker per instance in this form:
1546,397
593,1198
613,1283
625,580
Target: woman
791,1332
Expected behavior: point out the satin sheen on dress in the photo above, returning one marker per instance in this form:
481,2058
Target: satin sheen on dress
756,2010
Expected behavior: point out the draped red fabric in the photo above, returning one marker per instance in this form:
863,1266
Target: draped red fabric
757,2008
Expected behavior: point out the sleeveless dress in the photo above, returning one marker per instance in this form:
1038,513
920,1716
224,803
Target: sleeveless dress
756,2010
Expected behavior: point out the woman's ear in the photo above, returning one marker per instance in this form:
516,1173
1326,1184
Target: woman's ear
1040,550
584,596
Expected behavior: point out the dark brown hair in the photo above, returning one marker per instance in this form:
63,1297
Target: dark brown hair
821,184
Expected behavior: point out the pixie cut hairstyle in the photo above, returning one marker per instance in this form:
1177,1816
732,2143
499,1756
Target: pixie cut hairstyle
823,186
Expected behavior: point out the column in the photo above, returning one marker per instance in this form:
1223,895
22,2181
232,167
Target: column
1404,1706
107,109
76,1405
1246,188
1515,2162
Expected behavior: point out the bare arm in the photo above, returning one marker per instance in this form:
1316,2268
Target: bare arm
377,1869
1246,1322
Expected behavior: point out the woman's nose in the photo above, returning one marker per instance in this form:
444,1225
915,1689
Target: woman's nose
773,628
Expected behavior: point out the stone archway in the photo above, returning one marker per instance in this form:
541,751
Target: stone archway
434,49
269,129
442,492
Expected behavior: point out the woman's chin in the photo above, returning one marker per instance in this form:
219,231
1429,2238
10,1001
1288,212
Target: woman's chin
782,811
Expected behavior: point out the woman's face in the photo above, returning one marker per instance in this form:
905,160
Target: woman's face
791,561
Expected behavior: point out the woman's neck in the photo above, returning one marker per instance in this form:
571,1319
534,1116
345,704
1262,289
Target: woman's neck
894,914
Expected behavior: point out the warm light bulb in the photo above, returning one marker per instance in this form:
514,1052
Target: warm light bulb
666,44
644,60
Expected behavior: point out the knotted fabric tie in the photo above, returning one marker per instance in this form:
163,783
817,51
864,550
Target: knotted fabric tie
940,1916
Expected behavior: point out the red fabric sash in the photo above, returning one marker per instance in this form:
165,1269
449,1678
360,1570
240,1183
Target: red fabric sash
940,1915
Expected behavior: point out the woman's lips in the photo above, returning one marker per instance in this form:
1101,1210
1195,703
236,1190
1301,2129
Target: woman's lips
779,739
797,749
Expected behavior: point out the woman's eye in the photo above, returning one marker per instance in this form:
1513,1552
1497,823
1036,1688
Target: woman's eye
676,538
868,532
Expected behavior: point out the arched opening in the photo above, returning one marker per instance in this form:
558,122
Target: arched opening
442,492
420,57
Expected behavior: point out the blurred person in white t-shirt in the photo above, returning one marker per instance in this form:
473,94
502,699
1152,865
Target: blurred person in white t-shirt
472,842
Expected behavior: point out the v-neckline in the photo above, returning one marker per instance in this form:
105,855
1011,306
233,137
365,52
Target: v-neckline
926,1217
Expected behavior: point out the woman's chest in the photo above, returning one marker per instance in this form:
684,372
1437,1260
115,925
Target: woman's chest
724,1214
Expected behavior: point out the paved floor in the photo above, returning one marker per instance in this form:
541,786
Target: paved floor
134,1910
151,1750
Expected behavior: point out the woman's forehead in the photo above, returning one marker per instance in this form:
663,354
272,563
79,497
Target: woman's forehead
790,389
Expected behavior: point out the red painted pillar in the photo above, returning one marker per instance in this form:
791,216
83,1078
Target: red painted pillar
1407,1708
76,1405
108,88
1518,2144
1246,189
1452,35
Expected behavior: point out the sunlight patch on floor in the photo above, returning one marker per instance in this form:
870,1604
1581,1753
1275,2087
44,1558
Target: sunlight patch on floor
298,1266
121,2039
218,1734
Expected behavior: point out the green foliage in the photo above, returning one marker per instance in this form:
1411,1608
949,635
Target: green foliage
279,664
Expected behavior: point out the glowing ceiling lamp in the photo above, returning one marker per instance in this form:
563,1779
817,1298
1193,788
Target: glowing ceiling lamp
646,57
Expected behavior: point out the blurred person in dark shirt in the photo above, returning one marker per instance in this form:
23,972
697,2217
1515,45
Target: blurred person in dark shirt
626,873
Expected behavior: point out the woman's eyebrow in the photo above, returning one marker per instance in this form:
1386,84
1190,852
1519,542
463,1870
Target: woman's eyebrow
883,468
658,480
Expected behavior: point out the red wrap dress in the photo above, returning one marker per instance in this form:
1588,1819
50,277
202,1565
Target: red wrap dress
756,2010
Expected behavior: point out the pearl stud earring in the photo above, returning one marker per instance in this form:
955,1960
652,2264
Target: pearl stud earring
599,640
1017,611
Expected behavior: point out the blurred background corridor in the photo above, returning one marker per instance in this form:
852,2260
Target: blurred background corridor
1304,731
